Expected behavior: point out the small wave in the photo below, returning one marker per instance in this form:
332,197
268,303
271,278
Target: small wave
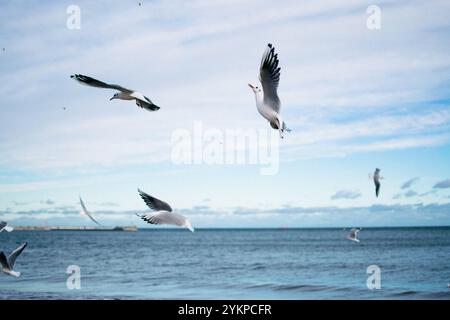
292,287
406,293
422,294
303,287
257,266
439,295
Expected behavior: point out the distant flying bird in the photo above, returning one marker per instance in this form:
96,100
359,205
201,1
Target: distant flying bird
267,101
376,180
4,226
163,214
84,211
353,234
124,94
8,263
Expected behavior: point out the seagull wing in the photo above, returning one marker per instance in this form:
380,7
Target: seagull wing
13,256
153,203
86,212
269,75
4,261
144,102
353,233
98,84
168,218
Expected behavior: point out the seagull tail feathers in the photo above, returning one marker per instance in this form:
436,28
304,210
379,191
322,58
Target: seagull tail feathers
15,273
286,128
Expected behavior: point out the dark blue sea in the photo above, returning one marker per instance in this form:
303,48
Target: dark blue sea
230,264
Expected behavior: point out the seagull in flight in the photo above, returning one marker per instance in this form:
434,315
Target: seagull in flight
84,211
8,263
353,234
163,214
376,181
267,101
4,226
124,94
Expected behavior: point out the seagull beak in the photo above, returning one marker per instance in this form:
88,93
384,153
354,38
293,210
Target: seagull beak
253,88
111,99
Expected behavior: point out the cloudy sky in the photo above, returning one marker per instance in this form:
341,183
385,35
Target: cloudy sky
355,99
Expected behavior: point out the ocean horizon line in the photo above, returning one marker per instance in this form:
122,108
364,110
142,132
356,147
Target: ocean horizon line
135,228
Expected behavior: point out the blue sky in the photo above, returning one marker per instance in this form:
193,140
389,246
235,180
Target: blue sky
355,98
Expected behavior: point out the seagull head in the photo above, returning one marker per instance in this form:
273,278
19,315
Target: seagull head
115,96
255,89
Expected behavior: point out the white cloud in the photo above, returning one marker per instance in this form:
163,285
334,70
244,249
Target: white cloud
346,194
410,193
409,183
444,184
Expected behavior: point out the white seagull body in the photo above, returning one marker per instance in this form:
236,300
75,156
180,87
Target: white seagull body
353,234
85,212
124,94
8,263
163,214
267,101
4,226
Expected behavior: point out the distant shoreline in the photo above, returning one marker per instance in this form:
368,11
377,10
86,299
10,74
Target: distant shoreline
127,228
133,228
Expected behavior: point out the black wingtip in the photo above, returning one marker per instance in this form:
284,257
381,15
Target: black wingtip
270,45
142,194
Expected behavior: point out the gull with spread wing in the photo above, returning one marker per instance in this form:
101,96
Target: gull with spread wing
163,214
353,234
4,226
124,94
8,263
267,101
